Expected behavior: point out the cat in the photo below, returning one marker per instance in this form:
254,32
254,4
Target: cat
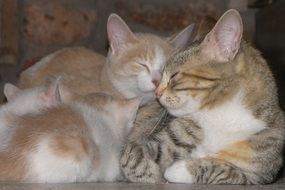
204,27
51,135
222,123
132,68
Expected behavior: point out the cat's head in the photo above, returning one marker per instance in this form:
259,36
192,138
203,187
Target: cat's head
23,101
207,73
136,60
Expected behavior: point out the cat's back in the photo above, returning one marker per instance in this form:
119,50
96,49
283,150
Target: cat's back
53,143
259,85
60,121
75,61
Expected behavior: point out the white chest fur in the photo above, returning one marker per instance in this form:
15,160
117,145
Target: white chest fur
109,142
225,125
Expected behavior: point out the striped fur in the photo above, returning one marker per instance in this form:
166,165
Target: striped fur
46,138
226,125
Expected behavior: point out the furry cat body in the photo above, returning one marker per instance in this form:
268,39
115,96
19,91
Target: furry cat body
132,68
47,141
228,127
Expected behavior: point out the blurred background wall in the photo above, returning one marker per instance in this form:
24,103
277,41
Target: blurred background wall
31,29
39,27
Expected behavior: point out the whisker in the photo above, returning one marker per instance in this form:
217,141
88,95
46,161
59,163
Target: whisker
157,124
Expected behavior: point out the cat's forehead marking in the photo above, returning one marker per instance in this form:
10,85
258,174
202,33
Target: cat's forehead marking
154,58
181,58
158,58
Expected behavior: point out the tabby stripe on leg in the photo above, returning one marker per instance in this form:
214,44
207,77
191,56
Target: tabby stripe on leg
158,156
142,173
212,176
138,160
192,134
175,140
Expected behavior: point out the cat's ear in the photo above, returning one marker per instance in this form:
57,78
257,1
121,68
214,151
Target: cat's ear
119,34
183,38
51,94
66,95
223,41
10,90
205,26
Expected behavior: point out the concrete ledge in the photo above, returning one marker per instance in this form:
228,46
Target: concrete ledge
135,186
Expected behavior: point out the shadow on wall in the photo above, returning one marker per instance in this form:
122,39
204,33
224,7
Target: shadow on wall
270,38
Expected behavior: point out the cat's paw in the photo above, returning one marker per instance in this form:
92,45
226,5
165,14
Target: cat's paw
137,167
178,173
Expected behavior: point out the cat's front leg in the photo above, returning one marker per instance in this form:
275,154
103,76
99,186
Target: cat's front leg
205,171
137,165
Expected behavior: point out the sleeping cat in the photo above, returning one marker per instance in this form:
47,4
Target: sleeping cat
49,135
225,127
132,68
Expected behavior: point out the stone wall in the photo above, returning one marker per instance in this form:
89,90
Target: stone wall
48,25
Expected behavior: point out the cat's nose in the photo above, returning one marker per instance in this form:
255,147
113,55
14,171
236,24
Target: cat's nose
159,91
155,82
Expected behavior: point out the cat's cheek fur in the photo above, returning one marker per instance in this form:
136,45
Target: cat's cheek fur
171,103
178,173
145,82
170,100
179,104
147,97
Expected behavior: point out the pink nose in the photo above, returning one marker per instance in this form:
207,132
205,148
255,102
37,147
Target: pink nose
155,82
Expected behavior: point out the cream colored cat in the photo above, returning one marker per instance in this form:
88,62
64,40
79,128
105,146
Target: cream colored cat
49,135
132,68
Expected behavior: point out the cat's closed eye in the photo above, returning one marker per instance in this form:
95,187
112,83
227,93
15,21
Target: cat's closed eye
143,65
172,80
174,74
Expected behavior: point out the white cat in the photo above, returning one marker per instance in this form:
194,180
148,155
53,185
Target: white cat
49,135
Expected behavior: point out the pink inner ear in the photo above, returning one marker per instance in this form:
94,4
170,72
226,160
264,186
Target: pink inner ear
223,41
51,93
228,41
119,33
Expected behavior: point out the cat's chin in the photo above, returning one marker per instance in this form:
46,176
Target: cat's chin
147,97
178,110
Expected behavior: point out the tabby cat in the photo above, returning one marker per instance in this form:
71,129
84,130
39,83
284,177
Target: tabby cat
225,125
50,135
132,68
